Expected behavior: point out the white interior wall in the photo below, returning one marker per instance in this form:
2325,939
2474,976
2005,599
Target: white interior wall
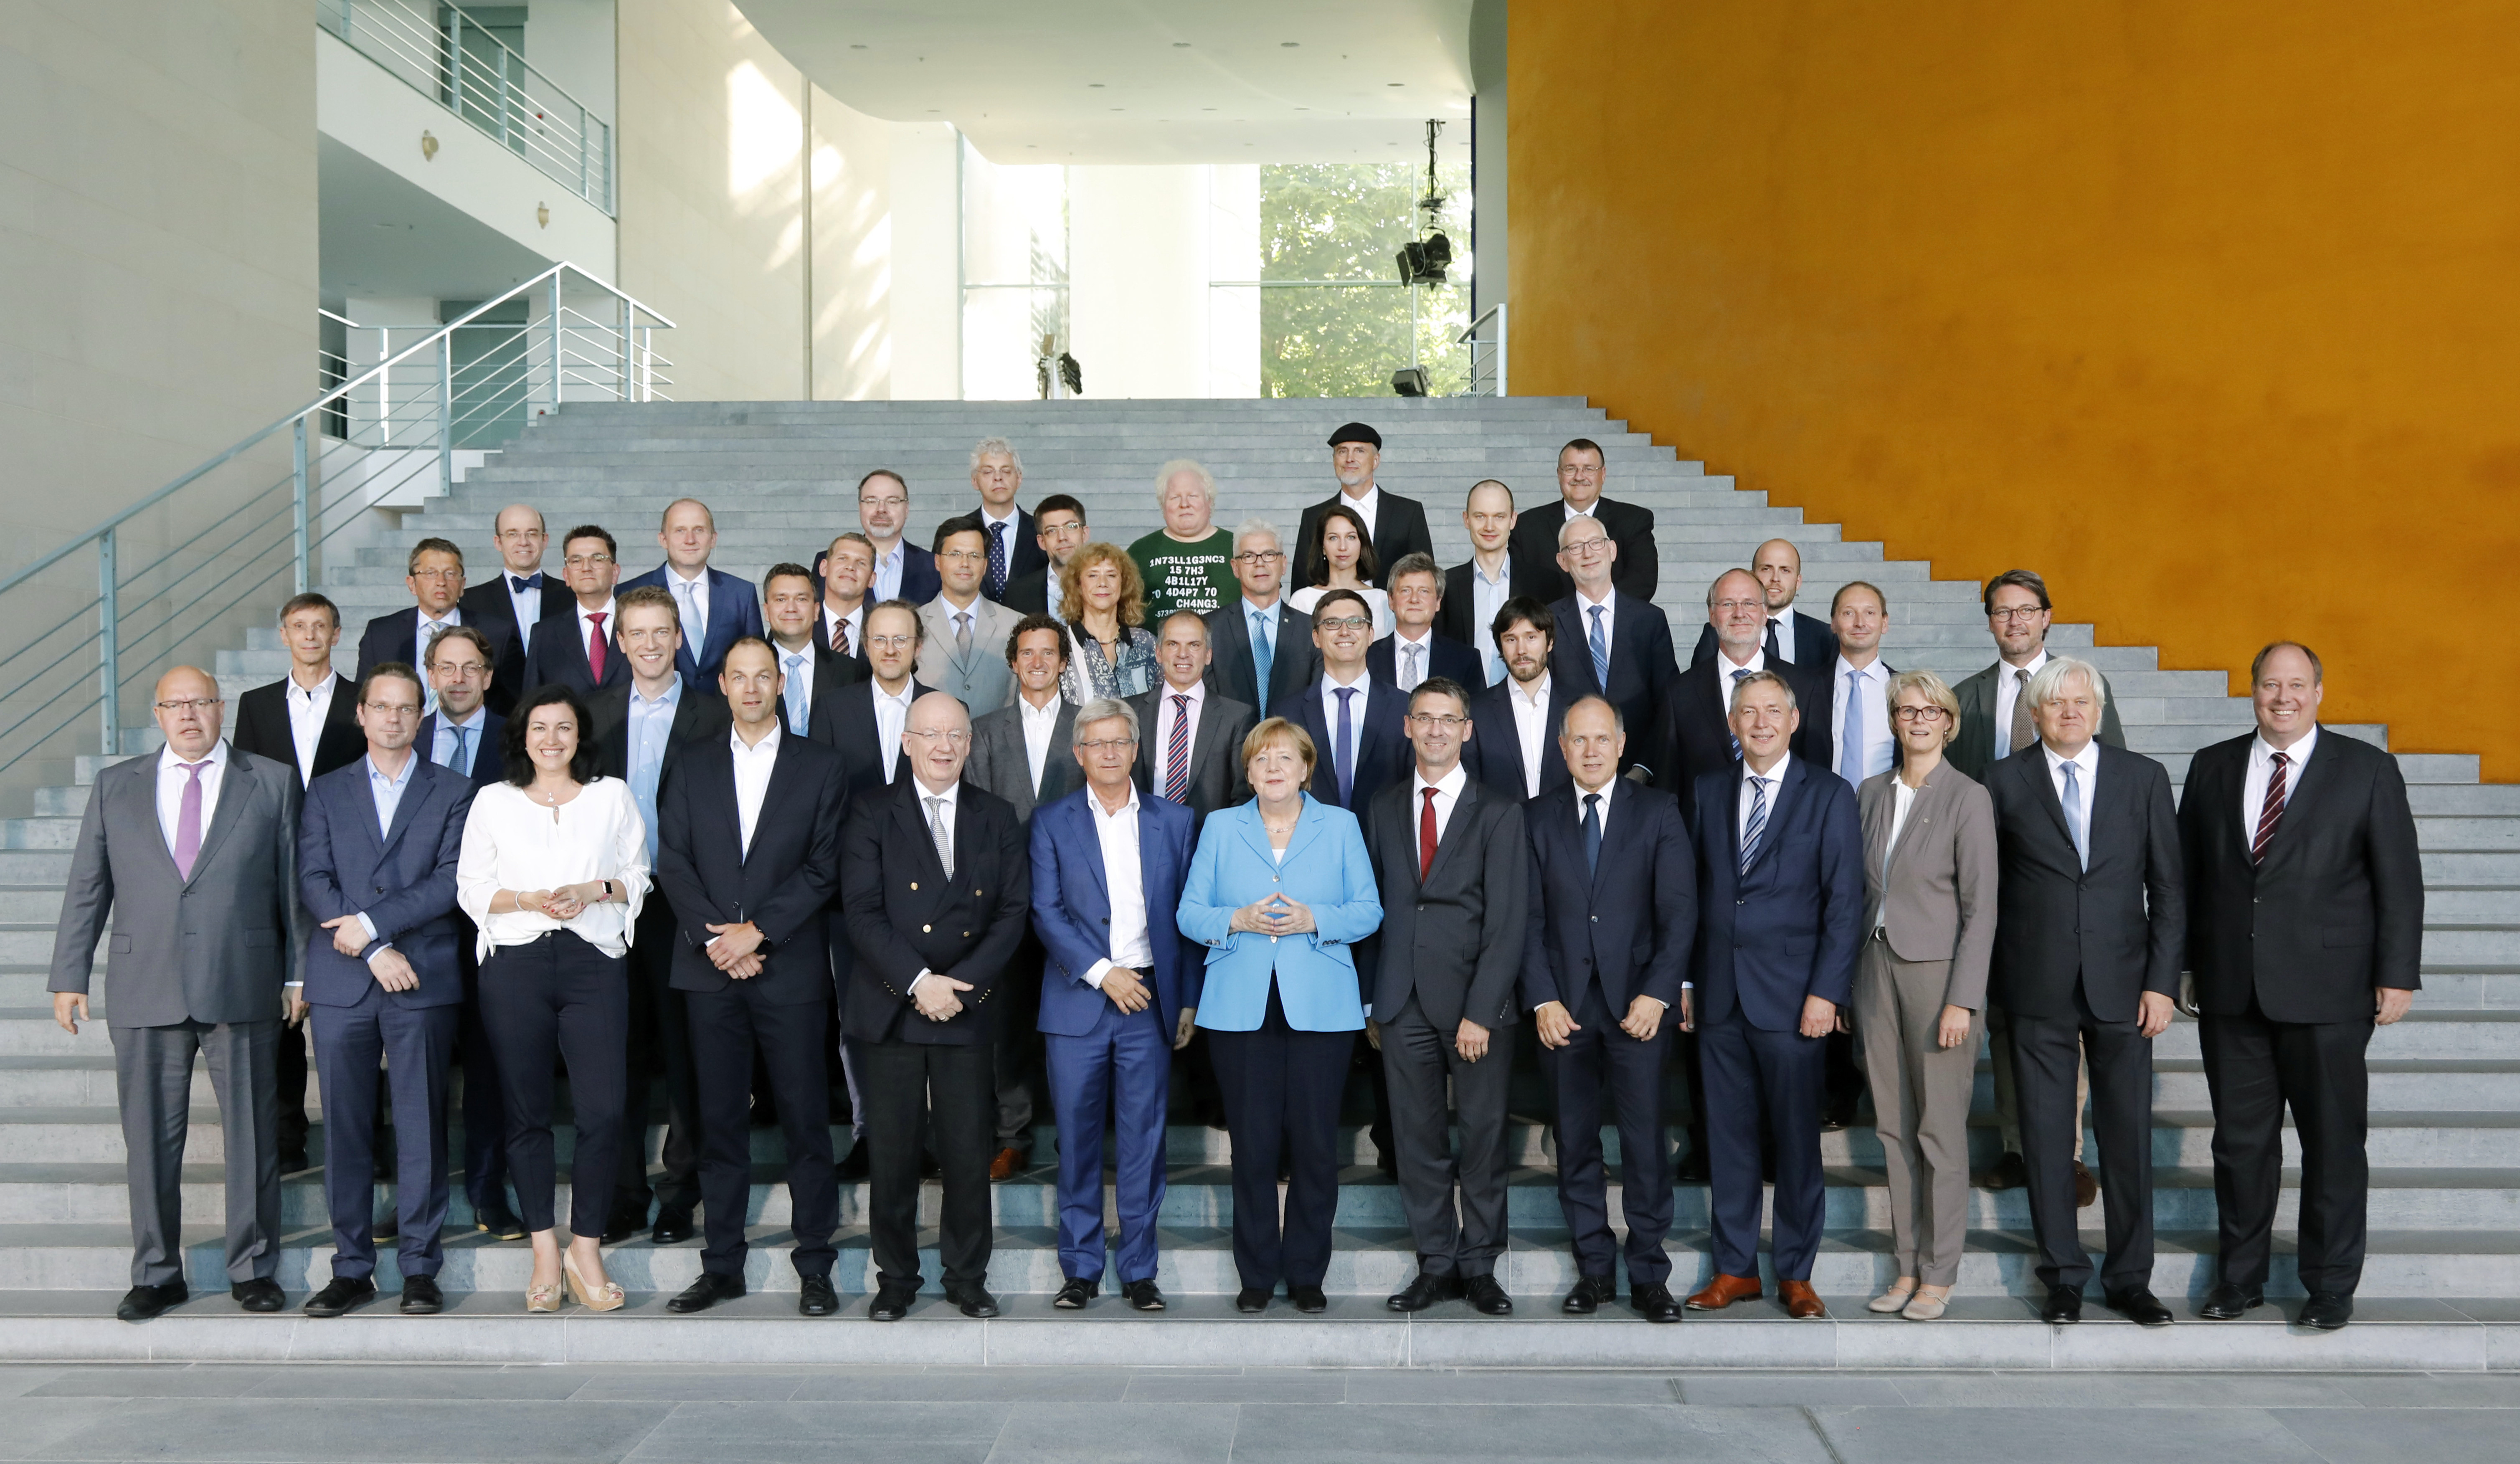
1139,256
851,171
572,41
924,305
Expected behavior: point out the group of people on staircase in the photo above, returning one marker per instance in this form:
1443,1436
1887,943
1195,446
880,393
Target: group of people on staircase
1024,803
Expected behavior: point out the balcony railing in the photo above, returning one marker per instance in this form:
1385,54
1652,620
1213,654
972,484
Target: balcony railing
441,50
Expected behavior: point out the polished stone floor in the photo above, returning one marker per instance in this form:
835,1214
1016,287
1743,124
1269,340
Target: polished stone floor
335,1414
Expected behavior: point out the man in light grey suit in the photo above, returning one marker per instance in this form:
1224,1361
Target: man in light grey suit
963,654
194,855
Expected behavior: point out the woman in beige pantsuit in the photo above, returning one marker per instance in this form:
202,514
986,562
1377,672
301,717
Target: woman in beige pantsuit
1929,866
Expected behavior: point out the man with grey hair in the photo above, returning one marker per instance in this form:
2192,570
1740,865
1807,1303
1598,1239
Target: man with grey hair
2090,935
1262,646
1188,564
997,471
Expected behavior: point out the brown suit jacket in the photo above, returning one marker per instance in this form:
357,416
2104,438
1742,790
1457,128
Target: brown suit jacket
1934,892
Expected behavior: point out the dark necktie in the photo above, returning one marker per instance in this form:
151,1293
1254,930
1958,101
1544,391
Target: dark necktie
1774,654
1592,833
1728,715
1344,749
1176,752
840,634
1755,825
997,560
2021,732
188,820
1425,834
2271,812
522,583
594,646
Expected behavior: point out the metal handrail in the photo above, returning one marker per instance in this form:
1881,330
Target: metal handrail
1470,338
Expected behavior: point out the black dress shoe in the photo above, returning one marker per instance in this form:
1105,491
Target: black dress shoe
261,1294
1073,1295
816,1297
1691,1170
2327,1310
1838,1117
673,1226
1423,1291
706,1291
421,1296
1654,1301
625,1221
141,1303
852,1168
2228,1303
498,1221
1250,1301
1487,1296
975,1301
889,1305
1141,1296
1588,1296
2008,1172
291,1160
929,1168
1308,1300
2064,1304
2137,1304
338,1296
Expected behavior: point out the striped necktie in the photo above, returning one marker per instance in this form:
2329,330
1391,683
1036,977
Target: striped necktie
2271,812
1176,752
1757,823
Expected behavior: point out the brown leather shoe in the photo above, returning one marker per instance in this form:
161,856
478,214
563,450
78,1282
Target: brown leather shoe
1010,1159
1724,1291
2086,1189
1802,1304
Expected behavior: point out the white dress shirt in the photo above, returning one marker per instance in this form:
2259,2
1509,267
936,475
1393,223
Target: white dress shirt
1487,597
512,843
171,779
692,598
1038,724
1774,778
2087,772
1363,688
611,623
929,818
526,604
307,713
752,768
1013,521
1782,622
891,715
1401,649
2261,766
1132,947
2008,689
1447,790
1610,603
1873,721
886,583
1165,712
1732,674
1366,506
856,621
1530,728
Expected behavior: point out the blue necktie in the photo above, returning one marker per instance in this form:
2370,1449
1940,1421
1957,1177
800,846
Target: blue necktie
997,560
1592,833
1756,824
1343,748
1264,652
1728,717
796,689
462,762
524,582
1600,653
1850,757
2074,817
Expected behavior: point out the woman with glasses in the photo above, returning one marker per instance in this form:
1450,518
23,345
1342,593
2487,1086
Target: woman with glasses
1111,653
1343,559
552,872
1278,891
1929,862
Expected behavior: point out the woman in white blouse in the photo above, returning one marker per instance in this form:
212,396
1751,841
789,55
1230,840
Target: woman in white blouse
554,868
1343,559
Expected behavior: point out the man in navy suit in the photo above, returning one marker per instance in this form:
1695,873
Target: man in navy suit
1781,914
513,603
902,570
717,608
1604,954
1787,636
1118,993
377,847
1608,643
1516,751
1697,719
433,572
580,650
1414,652
1580,469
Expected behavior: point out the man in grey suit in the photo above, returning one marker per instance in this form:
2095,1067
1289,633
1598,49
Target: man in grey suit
1453,862
194,855
964,651
1193,749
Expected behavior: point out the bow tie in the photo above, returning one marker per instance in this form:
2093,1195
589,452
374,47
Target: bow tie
524,582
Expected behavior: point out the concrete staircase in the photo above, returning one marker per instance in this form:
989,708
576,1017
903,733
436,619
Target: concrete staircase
780,476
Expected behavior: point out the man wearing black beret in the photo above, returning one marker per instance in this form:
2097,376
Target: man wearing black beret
1397,525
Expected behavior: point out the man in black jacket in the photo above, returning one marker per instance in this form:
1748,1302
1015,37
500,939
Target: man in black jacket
1696,722
2305,929
1789,636
1608,643
1397,525
935,887
1580,472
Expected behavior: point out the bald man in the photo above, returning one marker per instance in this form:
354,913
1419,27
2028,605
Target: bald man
1789,636
717,609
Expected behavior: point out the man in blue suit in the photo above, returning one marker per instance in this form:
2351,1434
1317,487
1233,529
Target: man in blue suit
377,848
1780,912
1609,643
1117,996
717,608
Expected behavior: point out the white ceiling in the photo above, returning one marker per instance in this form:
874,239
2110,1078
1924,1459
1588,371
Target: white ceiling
1111,81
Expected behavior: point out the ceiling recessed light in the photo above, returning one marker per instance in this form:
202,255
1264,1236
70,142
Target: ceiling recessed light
1181,45
1096,85
857,45
1290,45
1395,83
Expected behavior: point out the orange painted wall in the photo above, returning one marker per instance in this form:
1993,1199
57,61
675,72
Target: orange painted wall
2209,310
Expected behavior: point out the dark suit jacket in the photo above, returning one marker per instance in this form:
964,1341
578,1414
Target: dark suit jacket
262,727
1398,530
1790,925
1534,544
562,658
1815,645
1024,553
402,880
853,732
697,720
1458,616
1382,752
1698,732
1642,666
734,613
1071,909
1455,938
919,583
904,913
1029,593
999,762
1444,657
1972,751
487,604
489,760
396,637
2119,928
2337,908
1494,753
1628,925
1231,669
1216,772
781,884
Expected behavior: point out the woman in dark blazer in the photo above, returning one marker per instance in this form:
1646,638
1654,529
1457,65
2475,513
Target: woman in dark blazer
1929,862
1278,891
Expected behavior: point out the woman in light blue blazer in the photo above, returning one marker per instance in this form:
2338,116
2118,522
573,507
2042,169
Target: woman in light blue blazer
1279,892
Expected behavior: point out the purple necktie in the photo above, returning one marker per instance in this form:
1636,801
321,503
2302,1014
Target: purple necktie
188,820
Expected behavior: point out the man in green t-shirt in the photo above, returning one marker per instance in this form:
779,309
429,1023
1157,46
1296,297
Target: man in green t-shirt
1188,564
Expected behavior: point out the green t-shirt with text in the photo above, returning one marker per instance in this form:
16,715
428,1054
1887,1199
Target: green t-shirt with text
1195,576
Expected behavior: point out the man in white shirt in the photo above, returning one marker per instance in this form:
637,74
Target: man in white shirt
962,652
1395,526
848,569
808,674
584,658
1414,652
1519,755
997,473
717,608
1861,680
515,598
1261,646
1192,755
1475,590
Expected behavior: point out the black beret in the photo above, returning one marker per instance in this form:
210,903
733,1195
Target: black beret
1357,432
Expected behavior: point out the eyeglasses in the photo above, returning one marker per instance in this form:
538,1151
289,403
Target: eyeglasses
1109,744
2023,612
191,704
575,562
964,554
461,670
1259,556
1434,722
1346,623
892,642
437,574
1726,606
1585,547
883,503
954,736
522,534
1918,714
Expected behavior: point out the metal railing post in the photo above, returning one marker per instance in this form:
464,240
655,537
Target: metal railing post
455,61
555,342
446,413
298,510
108,644
581,151
505,140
